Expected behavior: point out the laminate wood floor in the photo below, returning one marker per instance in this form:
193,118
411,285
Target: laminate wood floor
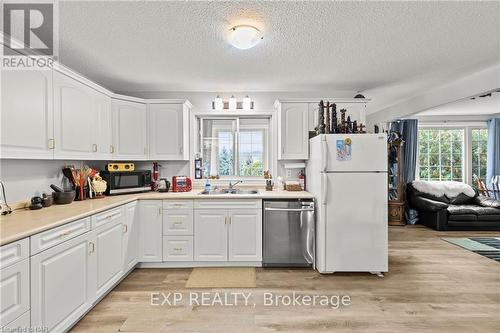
432,286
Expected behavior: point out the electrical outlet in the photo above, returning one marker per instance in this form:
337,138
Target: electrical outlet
288,173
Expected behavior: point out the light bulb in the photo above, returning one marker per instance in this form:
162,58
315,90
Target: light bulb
247,103
244,37
232,103
218,103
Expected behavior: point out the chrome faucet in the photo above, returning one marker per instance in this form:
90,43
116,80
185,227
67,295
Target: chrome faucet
231,186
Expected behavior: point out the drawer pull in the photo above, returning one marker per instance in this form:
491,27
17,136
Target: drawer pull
92,247
125,228
178,222
177,248
65,234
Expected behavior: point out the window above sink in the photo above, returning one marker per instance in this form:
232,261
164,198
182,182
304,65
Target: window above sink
234,147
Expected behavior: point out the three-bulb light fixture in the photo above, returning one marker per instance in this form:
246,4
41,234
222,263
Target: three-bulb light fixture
232,104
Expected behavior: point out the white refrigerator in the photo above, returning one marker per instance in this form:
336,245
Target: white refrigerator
347,173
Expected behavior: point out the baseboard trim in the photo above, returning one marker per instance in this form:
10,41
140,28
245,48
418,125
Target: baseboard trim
191,264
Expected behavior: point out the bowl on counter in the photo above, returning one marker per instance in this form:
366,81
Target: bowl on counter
63,198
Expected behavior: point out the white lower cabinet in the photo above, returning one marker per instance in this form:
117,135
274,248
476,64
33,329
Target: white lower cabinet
61,283
228,235
177,248
20,324
130,243
151,249
14,291
245,235
108,255
210,236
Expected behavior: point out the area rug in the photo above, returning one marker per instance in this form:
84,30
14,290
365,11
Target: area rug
486,246
222,277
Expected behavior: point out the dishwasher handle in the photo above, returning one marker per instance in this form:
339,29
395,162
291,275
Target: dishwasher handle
299,210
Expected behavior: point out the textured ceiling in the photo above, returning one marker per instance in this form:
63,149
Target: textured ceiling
479,106
308,46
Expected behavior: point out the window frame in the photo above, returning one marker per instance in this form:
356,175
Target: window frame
467,145
236,153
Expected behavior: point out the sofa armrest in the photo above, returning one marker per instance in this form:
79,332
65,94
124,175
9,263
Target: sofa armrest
427,204
486,202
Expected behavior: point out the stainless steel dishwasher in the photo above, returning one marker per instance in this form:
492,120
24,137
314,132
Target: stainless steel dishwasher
289,233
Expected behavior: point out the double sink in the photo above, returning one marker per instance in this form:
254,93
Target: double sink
229,191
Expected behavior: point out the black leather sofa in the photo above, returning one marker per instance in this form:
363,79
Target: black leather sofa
460,212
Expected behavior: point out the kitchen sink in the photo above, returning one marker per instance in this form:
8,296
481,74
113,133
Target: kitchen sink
229,191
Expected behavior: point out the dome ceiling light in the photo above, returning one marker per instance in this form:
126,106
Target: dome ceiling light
244,37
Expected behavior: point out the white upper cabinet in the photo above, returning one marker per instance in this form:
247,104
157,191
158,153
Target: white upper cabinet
27,122
168,131
74,118
103,131
129,130
293,125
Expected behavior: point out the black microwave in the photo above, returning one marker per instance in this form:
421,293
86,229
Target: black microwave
119,182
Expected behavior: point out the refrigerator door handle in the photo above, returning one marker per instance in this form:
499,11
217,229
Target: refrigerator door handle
324,187
324,155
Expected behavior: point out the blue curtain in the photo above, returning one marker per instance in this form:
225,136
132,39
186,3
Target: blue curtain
409,131
493,159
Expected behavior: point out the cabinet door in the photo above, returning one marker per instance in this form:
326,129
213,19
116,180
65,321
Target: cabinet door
74,116
109,262
130,237
245,235
313,116
168,128
27,119
210,235
129,132
15,291
103,130
293,131
60,282
151,230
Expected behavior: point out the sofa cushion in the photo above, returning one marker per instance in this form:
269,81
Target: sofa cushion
460,199
486,202
463,217
491,218
462,209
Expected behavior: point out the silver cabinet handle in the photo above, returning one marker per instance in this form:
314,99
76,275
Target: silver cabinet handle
92,247
94,147
290,209
111,149
125,228
52,143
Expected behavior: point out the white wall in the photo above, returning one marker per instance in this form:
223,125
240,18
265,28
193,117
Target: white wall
26,178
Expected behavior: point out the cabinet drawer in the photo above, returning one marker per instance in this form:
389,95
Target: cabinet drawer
177,248
21,324
228,203
14,252
178,222
177,204
47,239
106,217
15,291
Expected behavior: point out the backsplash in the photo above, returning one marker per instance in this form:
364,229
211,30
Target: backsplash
26,178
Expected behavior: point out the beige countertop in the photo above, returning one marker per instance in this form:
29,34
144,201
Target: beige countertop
24,223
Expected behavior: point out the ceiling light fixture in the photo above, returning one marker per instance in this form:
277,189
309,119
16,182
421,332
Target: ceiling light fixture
244,37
